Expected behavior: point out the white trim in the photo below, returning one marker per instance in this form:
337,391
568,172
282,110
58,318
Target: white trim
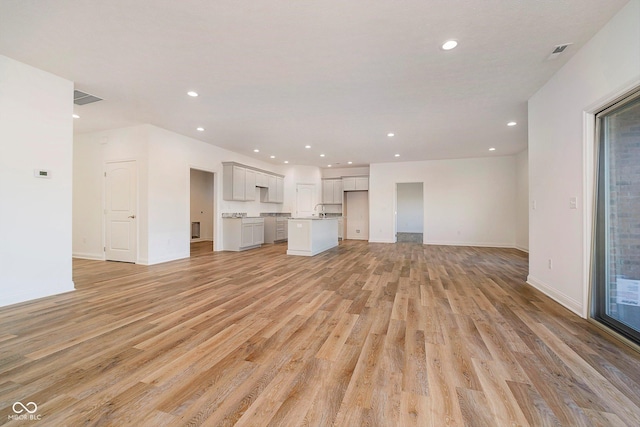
382,241
478,244
217,219
521,248
87,255
568,302
33,295
589,179
167,258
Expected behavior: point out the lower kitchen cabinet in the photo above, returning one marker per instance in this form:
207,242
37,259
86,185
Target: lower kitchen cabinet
240,234
275,229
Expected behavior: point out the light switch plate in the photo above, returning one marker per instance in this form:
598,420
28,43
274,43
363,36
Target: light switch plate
573,203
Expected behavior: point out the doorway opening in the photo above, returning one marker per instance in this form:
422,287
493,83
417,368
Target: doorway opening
410,212
202,211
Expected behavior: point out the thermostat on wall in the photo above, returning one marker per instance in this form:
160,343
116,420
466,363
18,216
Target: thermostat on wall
42,173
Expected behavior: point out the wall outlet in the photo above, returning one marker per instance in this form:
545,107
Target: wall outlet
550,263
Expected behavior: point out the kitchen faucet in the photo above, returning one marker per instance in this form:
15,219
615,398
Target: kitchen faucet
320,214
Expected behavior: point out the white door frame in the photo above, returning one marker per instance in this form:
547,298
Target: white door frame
217,219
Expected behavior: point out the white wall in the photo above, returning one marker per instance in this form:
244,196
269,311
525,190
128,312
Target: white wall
164,162
35,217
561,155
295,175
410,207
522,201
466,201
91,152
202,202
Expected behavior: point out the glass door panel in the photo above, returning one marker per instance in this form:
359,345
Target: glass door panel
616,296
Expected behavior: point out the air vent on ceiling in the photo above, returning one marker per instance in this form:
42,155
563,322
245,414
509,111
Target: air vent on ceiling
559,49
81,98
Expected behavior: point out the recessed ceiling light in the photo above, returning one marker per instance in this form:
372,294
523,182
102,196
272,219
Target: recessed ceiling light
397,155
307,146
321,155
328,166
200,129
286,161
350,163
256,151
75,116
511,124
449,44
192,93
390,134
492,149
273,157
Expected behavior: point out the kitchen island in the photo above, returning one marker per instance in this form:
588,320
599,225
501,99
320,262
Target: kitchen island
310,236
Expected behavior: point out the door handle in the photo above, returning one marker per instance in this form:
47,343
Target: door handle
132,216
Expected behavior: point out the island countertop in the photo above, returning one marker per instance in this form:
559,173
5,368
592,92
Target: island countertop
311,235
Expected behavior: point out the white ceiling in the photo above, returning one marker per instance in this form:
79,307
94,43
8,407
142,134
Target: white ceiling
338,75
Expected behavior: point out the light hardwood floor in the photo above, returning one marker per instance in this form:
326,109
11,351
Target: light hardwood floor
363,334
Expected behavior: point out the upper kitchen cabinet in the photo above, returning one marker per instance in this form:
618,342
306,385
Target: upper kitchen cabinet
239,183
262,180
274,192
355,183
332,191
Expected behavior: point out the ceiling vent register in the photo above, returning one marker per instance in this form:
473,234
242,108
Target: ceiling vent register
81,98
558,50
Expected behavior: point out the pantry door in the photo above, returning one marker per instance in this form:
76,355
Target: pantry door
305,194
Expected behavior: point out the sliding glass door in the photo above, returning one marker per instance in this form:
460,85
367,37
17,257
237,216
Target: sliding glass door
616,290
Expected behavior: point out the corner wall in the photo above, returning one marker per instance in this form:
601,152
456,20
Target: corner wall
35,222
561,156
164,162
522,201
467,202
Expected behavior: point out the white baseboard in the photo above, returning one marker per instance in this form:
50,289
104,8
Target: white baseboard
521,248
381,241
88,255
477,244
166,258
202,239
20,296
557,296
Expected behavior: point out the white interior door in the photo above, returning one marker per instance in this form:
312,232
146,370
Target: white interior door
121,224
305,196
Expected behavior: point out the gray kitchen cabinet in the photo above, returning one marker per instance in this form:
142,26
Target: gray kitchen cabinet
275,229
332,191
240,234
355,183
239,183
